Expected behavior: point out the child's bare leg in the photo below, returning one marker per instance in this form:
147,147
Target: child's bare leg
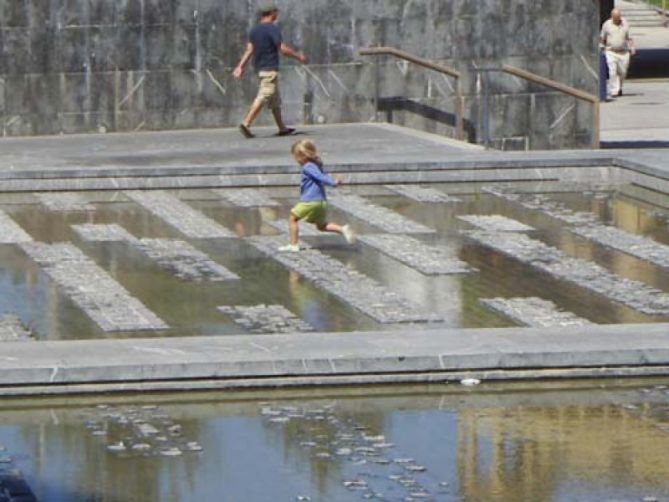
329,227
292,228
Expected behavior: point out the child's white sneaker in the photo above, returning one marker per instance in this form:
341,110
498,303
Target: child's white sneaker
290,248
348,234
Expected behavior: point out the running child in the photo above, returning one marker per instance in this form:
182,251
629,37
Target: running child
312,207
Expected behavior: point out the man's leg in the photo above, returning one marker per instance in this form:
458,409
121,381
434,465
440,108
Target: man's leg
253,112
623,66
613,85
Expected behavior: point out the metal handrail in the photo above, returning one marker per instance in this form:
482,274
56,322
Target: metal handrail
460,104
565,89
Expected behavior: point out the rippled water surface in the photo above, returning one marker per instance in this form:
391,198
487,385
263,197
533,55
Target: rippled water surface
584,441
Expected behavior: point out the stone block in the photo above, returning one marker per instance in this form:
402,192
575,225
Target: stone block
102,14
103,48
158,12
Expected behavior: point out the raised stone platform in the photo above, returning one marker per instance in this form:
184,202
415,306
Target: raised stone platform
364,154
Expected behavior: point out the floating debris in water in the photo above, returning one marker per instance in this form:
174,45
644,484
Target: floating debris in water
171,452
469,382
117,446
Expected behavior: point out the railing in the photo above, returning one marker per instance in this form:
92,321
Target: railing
565,89
459,101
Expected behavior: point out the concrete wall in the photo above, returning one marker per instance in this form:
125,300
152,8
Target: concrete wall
120,65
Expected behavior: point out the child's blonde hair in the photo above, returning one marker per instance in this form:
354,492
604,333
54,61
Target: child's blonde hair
307,149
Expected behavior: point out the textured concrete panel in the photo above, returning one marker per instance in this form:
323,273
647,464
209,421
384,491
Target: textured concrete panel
381,217
179,215
11,232
428,260
90,287
247,197
422,194
266,318
350,286
533,312
64,202
13,330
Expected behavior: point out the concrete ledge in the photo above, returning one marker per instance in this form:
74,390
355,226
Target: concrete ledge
247,361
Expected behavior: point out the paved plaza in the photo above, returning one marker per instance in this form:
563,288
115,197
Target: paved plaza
554,343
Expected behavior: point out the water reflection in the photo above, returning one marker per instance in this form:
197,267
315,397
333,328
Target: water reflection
579,441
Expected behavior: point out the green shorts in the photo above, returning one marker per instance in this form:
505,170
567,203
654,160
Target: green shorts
313,212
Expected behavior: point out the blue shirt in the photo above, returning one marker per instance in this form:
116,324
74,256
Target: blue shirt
266,40
312,183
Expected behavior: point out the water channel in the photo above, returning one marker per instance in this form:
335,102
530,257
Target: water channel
579,441
190,306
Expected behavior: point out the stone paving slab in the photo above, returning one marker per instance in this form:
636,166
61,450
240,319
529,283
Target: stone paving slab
185,261
586,225
381,217
64,202
13,330
583,273
428,260
179,215
91,288
11,232
496,223
350,286
246,197
533,312
422,194
98,232
266,318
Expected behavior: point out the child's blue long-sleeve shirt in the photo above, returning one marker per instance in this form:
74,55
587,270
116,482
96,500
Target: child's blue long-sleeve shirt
312,183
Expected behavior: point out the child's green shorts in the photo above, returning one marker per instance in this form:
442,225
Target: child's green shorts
313,212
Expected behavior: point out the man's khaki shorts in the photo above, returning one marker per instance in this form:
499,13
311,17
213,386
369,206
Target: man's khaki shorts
268,91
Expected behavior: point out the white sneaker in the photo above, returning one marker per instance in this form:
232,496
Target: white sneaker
290,248
348,234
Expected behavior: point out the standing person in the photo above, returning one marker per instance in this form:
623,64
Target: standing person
265,44
313,202
618,47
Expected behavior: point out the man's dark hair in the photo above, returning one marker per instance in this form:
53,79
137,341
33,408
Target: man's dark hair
267,9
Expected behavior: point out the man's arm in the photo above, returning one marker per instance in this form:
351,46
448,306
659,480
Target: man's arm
288,51
239,69
631,45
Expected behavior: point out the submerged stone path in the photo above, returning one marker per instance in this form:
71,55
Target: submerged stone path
98,232
11,232
103,299
496,223
176,256
369,466
246,197
350,286
138,431
266,318
586,225
179,215
55,201
13,330
184,260
533,312
583,273
428,260
381,217
422,194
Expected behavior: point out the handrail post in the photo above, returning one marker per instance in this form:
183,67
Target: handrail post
459,101
595,125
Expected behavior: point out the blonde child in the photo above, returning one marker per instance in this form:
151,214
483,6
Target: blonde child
312,207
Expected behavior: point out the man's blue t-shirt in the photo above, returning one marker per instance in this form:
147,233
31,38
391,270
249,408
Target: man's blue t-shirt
266,40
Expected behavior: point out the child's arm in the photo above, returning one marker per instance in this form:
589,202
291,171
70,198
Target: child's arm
313,172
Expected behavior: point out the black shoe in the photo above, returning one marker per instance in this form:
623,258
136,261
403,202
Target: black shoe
246,132
620,93
288,131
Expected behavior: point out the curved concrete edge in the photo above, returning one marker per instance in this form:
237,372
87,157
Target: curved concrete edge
359,358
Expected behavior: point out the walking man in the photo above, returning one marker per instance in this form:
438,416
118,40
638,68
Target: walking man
265,44
618,46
